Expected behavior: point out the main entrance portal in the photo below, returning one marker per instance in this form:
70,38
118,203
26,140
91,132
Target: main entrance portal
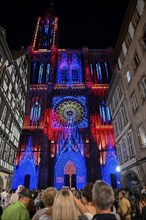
70,171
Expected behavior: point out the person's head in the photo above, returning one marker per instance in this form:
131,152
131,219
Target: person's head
19,189
143,197
64,207
48,196
87,193
121,194
102,195
25,195
39,205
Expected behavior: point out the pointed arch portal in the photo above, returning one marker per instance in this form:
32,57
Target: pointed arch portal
77,162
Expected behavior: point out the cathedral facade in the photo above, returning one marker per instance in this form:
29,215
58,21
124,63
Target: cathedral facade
67,137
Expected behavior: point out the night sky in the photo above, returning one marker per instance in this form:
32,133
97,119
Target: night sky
95,23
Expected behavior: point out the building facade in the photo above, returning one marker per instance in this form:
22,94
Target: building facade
14,78
68,137
127,96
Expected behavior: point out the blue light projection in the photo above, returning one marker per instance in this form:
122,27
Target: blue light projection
79,163
69,110
99,73
35,114
106,70
46,31
47,72
70,139
102,72
69,70
91,70
26,172
105,113
40,72
108,114
109,169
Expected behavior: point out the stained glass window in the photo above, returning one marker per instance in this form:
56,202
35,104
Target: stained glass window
35,114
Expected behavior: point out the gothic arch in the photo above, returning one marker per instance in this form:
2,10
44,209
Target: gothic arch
27,167
110,169
129,178
78,162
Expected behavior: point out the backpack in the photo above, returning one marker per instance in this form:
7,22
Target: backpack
144,212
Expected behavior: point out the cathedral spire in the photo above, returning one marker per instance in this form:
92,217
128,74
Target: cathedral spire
46,32
51,10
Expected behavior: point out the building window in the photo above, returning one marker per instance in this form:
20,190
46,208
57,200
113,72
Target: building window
143,86
128,40
119,91
144,39
112,105
142,136
135,19
6,153
119,118
99,73
4,114
122,57
119,154
130,144
124,114
35,114
11,157
128,76
124,150
2,145
40,76
115,127
136,60
134,103
8,121
116,99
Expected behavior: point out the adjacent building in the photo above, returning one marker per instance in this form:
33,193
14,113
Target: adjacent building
14,78
127,96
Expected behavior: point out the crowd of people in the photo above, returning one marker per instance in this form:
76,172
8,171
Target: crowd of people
98,201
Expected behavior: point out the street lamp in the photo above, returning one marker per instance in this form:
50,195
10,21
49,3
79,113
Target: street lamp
118,169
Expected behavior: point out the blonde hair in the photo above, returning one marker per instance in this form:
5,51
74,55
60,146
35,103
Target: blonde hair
64,207
48,196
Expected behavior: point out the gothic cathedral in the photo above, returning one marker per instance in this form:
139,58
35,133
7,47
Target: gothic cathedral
67,137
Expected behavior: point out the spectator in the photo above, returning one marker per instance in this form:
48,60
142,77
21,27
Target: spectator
142,206
87,198
48,196
18,210
67,207
14,197
124,208
103,199
6,198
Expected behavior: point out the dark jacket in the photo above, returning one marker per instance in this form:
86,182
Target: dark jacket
104,217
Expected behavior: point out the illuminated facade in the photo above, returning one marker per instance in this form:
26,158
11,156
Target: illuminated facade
68,137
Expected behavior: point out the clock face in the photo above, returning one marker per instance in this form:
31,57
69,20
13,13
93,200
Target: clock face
69,111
